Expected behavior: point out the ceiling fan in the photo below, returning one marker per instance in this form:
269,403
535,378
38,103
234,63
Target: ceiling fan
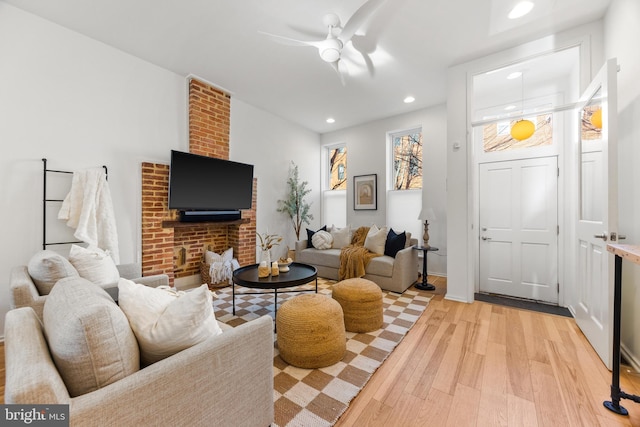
330,48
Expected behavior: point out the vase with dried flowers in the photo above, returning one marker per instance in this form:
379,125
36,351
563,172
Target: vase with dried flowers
266,242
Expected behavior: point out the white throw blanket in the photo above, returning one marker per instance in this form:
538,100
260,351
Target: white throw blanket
221,271
88,208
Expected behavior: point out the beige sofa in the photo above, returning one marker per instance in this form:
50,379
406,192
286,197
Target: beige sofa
225,380
24,292
391,274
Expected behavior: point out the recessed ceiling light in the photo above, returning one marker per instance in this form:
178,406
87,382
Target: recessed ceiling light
409,99
521,9
331,120
514,75
510,107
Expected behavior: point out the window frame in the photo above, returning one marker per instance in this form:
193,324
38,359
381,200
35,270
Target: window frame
327,167
391,156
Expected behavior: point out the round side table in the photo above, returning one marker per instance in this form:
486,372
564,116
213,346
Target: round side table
425,286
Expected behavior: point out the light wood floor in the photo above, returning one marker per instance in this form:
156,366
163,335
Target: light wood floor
487,365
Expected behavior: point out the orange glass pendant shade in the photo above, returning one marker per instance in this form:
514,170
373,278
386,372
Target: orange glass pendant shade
596,119
522,129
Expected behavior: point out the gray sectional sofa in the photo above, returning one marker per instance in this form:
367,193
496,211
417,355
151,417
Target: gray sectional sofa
391,274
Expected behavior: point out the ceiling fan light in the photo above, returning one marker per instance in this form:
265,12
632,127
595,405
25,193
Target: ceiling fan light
520,9
522,129
330,54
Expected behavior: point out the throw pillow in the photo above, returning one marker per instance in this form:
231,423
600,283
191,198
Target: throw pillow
310,234
94,264
395,242
375,240
89,337
166,323
341,236
407,242
47,267
322,240
210,257
221,266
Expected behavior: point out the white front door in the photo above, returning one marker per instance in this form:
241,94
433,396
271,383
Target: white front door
519,228
597,222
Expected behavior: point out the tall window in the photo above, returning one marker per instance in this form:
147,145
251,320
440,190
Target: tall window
338,168
407,160
334,185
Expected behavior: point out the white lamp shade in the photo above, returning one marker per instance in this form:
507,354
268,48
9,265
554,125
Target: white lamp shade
427,214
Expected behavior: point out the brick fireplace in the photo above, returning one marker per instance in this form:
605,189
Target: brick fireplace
176,248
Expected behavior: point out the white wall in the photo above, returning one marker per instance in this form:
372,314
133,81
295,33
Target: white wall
367,154
622,36
460,183
81,103
271,143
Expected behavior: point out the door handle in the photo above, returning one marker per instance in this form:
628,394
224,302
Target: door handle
485,238
602,236
615,236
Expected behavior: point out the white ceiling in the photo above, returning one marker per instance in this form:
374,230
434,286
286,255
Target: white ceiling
412,43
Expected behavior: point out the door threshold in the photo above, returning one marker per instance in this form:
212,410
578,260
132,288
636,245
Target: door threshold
525,304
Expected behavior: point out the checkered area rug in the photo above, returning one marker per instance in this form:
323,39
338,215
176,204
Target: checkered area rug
317,397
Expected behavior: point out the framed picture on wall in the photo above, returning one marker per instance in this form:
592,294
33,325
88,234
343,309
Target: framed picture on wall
365,192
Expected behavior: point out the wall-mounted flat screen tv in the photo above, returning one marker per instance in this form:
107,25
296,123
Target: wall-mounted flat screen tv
200,183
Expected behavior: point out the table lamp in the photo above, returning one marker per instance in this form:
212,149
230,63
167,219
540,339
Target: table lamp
426,215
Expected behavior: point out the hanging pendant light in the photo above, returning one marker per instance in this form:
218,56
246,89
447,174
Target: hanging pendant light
522,129
596,119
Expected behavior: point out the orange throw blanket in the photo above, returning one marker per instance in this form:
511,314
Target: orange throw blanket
355,257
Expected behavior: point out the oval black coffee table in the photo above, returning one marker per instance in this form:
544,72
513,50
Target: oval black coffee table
298,274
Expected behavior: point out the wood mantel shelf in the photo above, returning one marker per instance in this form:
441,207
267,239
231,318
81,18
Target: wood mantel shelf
180,224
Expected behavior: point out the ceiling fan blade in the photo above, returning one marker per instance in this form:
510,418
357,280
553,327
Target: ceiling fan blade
340,68
359,19
292,42
365,46
312,34
369,63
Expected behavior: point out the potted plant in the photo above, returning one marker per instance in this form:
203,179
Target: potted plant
294,205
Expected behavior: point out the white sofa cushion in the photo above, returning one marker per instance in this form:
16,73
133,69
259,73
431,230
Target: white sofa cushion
47,267
381,266
89,337
166,323
326,258
94,264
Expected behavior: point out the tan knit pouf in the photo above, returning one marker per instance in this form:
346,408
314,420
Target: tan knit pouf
310,331
361,302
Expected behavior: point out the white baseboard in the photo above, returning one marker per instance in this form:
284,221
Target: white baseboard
455,298
632,359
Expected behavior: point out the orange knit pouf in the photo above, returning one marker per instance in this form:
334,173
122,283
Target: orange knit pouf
361,302
310,331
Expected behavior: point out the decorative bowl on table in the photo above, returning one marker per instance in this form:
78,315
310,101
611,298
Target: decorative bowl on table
283,264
